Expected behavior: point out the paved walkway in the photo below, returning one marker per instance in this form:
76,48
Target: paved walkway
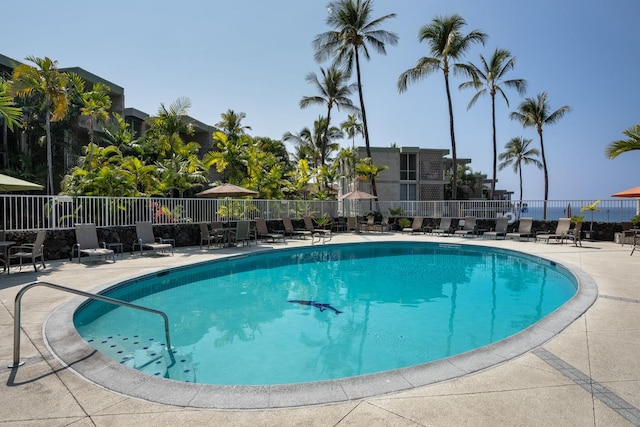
589,374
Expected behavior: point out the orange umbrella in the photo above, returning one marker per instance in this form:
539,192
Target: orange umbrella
630,193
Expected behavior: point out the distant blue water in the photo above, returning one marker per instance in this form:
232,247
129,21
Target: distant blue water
605,214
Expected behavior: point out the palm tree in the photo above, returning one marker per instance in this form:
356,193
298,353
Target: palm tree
316,144
535,113
95,105
231,124
168,126
518,153
354,31
446,43
334,91
489,79
620,146
9,113
352,127
48,84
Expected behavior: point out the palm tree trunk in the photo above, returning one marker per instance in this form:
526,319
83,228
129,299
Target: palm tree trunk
495,149
374,190
454,181
49,156
546,175
325,137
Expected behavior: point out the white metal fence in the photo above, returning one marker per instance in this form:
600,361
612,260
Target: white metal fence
25,212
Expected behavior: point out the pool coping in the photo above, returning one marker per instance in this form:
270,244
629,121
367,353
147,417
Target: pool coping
64,342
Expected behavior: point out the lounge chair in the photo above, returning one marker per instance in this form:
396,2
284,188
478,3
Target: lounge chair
416,225
30,251
316,233
146,239
444,227
524,230
502,225
264,234
87,244
289,230
369,225
559,235
469,227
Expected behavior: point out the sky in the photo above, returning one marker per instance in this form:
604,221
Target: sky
253,57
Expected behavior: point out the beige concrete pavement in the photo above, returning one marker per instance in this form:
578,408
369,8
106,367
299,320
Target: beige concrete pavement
589,374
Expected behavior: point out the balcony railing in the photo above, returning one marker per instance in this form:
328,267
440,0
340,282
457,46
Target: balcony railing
26,212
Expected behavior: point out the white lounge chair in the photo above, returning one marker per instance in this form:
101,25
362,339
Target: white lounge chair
502,225
444,227
469,227
416,225
560,234
524,229
87,244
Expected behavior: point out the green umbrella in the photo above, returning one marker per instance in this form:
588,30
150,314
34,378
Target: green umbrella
9,183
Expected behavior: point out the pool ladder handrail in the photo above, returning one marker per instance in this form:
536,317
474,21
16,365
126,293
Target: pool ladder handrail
26,287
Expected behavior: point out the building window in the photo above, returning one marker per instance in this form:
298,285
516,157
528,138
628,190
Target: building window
408,192
408,169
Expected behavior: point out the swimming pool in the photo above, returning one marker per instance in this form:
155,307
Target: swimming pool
308,315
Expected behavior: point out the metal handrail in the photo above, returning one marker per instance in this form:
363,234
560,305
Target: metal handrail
17,311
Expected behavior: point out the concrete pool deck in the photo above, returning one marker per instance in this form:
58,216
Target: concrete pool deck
588,374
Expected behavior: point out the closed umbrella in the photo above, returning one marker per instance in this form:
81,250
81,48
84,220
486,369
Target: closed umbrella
9,183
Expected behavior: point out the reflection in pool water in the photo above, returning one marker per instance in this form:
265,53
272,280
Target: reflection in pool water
400,304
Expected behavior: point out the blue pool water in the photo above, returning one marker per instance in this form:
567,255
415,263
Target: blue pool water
272,317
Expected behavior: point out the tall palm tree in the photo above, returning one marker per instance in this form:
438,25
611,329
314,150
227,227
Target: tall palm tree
620,146
352,127
354,30
49,85
488,80
334,91
446,43
517,153
536,113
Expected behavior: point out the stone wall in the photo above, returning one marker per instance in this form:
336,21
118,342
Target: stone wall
59,243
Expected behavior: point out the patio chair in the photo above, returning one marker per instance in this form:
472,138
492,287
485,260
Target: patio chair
209,236
416,225
369,225
502,225
289,230
524,230
87,244
264,234
352,223
575,234
559,235
469,227
29,251
147,240
383,225
242,233
444,227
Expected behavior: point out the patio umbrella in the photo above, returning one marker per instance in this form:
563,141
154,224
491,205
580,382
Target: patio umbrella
226,190
632,193
358,195
9,183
